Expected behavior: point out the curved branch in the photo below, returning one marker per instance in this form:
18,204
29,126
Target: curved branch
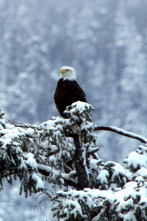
121,132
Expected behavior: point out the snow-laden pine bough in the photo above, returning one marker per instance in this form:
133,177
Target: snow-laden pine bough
53,153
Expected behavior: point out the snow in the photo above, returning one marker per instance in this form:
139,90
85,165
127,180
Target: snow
80,107
52,123
136,160
129,134
22,164
111,38
40,183
31,161
125,192
116,185
142,172
95,193
102,176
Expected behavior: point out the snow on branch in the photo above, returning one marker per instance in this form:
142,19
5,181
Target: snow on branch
121,132
55,153
121,193
48,149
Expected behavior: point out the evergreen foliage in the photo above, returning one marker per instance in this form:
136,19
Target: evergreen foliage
53,153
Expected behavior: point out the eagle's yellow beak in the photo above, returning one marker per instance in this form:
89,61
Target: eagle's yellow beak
62,70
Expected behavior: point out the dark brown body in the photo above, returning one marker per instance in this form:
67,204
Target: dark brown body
67,92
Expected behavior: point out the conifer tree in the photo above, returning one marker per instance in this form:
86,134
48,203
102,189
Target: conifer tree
52,153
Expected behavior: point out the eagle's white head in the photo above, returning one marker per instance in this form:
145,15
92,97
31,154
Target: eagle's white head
68,73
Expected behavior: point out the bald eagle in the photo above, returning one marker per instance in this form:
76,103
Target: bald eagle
68,90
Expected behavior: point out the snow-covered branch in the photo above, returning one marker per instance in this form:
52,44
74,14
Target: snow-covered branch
63,152
121,132
50,149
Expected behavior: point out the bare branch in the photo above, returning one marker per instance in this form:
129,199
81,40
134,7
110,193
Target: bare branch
23,125
121,132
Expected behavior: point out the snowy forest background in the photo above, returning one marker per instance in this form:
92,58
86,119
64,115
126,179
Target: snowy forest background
106,42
